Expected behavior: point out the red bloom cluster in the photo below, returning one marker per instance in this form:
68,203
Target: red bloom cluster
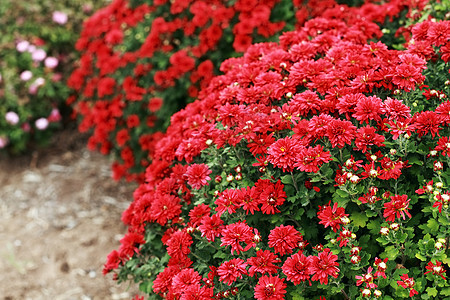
134,63
287,107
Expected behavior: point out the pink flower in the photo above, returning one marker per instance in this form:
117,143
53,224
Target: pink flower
26,75
12,118
3,141
22,46
51,62
55,116
41,124
38,55
59,17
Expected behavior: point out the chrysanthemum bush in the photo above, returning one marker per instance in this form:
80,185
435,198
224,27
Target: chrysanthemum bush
314,167
36,56
142,62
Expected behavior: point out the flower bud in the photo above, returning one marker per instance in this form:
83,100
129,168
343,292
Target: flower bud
395,226
218,179
438,246
345,220
438,166
354,179
230,177
393,151
377,293
238,177
366,293
384,231
355,259
439,185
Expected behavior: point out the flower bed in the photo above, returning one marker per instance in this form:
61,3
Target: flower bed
141,63
316,166
36,59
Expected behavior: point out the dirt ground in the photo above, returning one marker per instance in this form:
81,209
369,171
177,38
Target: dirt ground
59,218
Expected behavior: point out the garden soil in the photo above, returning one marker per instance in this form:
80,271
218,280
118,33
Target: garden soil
59,218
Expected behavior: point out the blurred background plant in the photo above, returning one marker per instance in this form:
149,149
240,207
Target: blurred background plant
36,57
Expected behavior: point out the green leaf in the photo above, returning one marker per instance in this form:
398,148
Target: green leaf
432,291
391,253
445,291
421,257
359,219
433,225
443,220
414,159
287,179
342,193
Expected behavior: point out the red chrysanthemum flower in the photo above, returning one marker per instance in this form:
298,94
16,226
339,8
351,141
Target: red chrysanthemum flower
197,175
427,188
398,207
283,153
443,146
196,292
381,266
178,244
197,213
427,122
367,279
340,133
444,111
211,227
231,270
260,143
407,283
163,280
164,208
439,33
318,126
436,269
296,268
401,126
270,288
249,199
312,158
227,202
366,136
184,279
270,195
368,108
130,243
347,104
406,77
305,103
331,216
395,109
263,262
324,265
235,234
284,239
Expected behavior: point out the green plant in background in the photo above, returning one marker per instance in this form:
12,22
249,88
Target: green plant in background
37,53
